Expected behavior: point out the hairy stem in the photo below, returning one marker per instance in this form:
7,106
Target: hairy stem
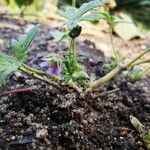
72,56
52,81
34,70
40,72
39,77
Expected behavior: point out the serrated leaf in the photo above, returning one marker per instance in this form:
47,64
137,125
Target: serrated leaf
74,15
8,65
21,45
53,57
4,75
89,6
80,74
68,13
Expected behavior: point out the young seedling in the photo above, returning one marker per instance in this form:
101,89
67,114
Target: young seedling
145,134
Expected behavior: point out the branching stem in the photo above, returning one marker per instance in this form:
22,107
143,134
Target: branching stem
39,77
40,72
115,71
137,58
140,62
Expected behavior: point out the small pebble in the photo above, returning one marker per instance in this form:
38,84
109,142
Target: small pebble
1,130
41,134
13,138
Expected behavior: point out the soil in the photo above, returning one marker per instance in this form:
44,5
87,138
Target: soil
42,117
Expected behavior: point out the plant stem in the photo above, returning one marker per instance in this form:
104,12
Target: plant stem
137,58
42,77
72,55
40,72
115,71
140,62
34,70
74,3
112,43
39,77
106,78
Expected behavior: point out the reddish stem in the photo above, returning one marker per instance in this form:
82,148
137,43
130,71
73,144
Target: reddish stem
24,90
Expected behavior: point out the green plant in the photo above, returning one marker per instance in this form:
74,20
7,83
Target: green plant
137,74
144,133
9,64
64,69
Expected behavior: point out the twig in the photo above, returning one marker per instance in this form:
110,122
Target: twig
107,92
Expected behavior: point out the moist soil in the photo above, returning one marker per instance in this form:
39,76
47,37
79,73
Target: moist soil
41,117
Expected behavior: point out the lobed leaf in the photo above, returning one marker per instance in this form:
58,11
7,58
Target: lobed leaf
89,6
21,46
74,15
8,65
68,13
91,17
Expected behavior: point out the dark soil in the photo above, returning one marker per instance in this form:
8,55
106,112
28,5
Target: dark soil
68,120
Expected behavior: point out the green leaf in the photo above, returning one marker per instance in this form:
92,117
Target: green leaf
136,75
54,58
91,17
89,6
21,45
60,36
8,65
144,133
67,77
80,74
112,20
67,66
74,15
68,13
